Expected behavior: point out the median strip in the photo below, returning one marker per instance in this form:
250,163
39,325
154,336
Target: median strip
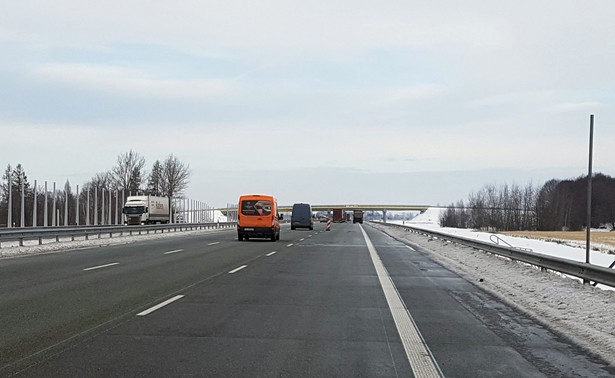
237,269
101,266
158,306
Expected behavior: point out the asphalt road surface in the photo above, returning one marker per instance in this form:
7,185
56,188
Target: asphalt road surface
350,302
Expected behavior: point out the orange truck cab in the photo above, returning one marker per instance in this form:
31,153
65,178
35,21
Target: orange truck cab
258,217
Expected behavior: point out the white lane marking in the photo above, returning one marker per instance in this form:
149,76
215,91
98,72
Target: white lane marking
309,236
421,360
410,248
302,239
271,253
214,243
290,245
158,306
175,251
102,266
237,269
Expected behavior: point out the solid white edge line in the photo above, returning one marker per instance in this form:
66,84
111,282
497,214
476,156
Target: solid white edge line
101,266
410,248
271,253
214,243
237,269
158,306
419,356
175,251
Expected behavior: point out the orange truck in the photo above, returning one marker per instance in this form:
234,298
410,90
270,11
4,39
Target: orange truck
258,217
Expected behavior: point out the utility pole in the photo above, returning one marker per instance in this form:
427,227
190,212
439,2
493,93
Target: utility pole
589,191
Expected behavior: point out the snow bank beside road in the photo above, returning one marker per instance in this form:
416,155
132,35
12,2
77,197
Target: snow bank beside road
580,312
31,247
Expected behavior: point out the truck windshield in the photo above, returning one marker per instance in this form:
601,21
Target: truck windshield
256,207
134,210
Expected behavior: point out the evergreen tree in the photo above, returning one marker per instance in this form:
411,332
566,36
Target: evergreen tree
154,181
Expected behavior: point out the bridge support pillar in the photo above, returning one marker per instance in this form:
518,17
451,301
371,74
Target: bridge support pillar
384,215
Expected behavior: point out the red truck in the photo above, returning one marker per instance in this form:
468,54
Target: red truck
338,216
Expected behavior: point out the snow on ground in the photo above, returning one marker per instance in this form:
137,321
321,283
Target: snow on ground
582,313
569,250
31,247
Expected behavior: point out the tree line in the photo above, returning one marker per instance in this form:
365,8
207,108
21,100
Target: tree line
557,205
168,178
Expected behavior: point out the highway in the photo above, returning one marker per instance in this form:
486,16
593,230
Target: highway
315,303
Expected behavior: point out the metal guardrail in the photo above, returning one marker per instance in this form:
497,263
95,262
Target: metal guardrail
582,270
22,234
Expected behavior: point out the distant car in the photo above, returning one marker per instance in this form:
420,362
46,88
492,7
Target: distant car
323,219
301,216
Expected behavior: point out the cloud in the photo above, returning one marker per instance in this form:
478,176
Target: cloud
121,81
576,107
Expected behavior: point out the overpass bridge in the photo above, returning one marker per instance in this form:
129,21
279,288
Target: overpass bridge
361,207
232,212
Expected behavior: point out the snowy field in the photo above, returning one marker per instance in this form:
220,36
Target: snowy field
582,313
571,250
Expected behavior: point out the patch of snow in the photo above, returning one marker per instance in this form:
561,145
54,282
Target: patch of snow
31,247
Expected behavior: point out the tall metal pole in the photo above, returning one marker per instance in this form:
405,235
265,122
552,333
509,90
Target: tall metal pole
95,206
87,207
53,213
66,204
110,208
34,208
589,188
46,209
22,220
77,207
9,219
102,206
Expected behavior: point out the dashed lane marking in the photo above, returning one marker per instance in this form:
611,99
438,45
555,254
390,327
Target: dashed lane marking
237,269
158,306
102,266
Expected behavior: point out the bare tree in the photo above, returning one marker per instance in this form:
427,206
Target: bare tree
129,172
175,176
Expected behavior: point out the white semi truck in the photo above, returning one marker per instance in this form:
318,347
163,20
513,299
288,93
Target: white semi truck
146,210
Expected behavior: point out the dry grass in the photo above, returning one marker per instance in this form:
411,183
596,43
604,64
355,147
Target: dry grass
607,238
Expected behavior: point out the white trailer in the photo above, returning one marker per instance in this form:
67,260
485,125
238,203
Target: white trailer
146,210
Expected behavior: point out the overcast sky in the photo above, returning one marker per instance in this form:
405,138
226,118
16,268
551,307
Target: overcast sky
413,102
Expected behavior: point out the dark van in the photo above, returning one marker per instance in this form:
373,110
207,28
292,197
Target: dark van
301,216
